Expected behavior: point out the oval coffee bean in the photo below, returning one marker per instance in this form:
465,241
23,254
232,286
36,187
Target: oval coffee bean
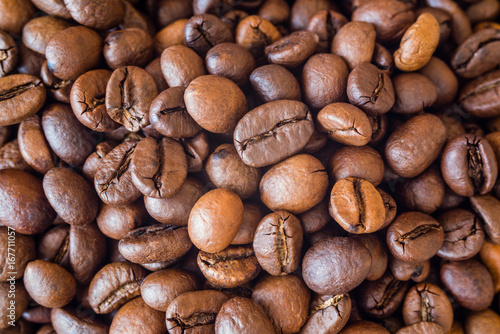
480,96
292,50
278,243
255,33
66,320
96,15
488,208
274,82
136,316
354,43
8,54
273,132
33,145
231,61
242,315
181,65
329,314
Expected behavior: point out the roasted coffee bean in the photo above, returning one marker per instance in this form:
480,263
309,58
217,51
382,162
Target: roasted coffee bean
39,31
242,315
232,267
390,207
136,316
173,34
482,322
370,89
488,208
231,61
25,253
255,33
355,43
478,54
480,96
215,103
303,10
381,298
181,65
68,57
422,327
274,82
15,14
23,205
96,15
58,89
226,170
308,177
359,162
444,21
88,97
114,285
357,206
324,80
383,59
489,255
58,121
33,145
194,311
463,234
129,93
469,165
315,218
9,54
49,284
414,92
404,271
203,32
378,253
413,146
325,24
11,157
461,28
469,282
155,243
278,243
418,44
273,132
335,265
113,180
94,160
128,47
21,96
197,150
116,221
292,50
328,314
287,311
427,302
233,17
66,320
30,62
414,237
158,169
390,18
443,78
364,327
215,219
275,11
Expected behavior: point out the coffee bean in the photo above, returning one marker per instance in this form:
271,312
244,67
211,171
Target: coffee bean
364,327
404,270
355,43
443,78
414,92
378,253
136,316
303,10
273,132
241,314
117,50
422,327
231,61
479,97
116,221
328,314
479,322
9,54
461,27
204,31
94,160
20,299
15,14
197,150
488,207
181,65
274,82
33,145
39,31
67,319
96,15
325,24
11,157
172,34
255,33
292,50
353,161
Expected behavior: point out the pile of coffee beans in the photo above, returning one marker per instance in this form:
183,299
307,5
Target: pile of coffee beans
249,166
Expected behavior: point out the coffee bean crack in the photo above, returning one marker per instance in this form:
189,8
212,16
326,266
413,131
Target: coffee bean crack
479,49
330,302
376,92
392,288
194,320
475,163
124,292
17,90
417,232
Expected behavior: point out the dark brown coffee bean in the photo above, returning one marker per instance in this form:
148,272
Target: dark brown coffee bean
324,80
469,165
14,300
71,196
345,124
287,311
233,17
181,65
413,146
175,210
116,221
96,15
33,145
94,160
129,93
469,282
232,267
88,97
49,284
118,50
23,205
58,121
9,54
39,31
204,31
173,34
25,253
136,316
427,302
304,10
68,57
53,245
488,208
114,285
325,24
154,68
378,252
315,218
328,314
461,28
414,92
278,243
274,82
58,89
309,179
15,14
360,162
480,96
215,219
390,18
335,265
364,327
30,62
273,132
404,271
38,314
194,311
254,33
381,298
370,89
165,12
242,315
113,180
443,78
355,43
390,207
66,320
231,61
11,157
292,50
383,59
414,237
477,55
21,96
463,234
158,169
482,322
422,327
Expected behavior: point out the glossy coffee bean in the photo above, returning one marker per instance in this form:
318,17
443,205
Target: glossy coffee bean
204,31
116,221
117,51
378,253
9,54
67,319
292,50
136,316
274,82
489,257
414,92
241,314
443,78
11,157
355,43
479,96
315,218
359,162
488,207
327,314
404,270
231,61
15,14
33,145
325,24
94,160
255,33
181,65
39,31
94,15
482,322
